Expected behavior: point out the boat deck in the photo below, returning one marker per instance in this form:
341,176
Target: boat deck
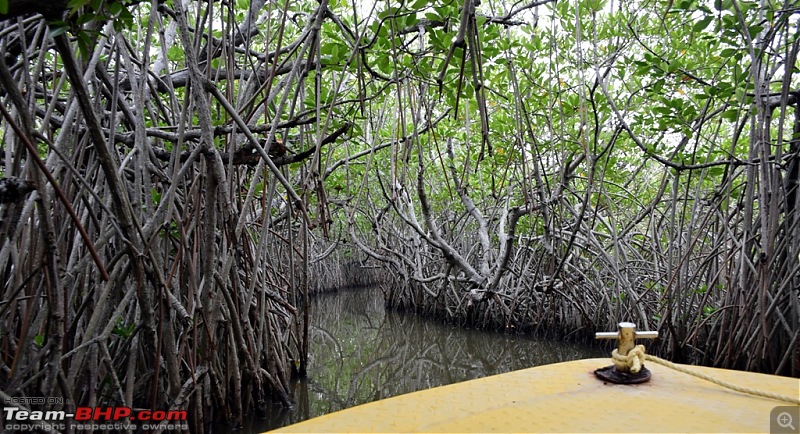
567,397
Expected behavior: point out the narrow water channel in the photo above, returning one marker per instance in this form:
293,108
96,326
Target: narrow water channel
361,353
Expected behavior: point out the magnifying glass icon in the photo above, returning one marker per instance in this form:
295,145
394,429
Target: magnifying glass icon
785,420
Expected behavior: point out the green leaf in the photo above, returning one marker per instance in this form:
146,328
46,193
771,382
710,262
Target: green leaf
155,195
419,4
122,330
57,28
755,30
75,4
85,45
674,66
731,115
38,340
85,18
435,40
702,24
384,64
4,7
175,53
115,9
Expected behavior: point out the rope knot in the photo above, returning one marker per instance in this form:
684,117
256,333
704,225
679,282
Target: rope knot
633,362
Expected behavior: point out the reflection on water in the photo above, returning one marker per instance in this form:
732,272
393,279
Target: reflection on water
361,353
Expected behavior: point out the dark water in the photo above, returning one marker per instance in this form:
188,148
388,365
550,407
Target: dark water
360,353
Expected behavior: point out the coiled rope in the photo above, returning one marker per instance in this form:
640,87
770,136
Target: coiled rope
634,361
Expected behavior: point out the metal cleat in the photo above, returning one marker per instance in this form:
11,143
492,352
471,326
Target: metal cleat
628,367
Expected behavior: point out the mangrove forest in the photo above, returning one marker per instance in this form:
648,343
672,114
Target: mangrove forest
180,178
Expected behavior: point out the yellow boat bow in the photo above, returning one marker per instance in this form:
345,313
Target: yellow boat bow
569,397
